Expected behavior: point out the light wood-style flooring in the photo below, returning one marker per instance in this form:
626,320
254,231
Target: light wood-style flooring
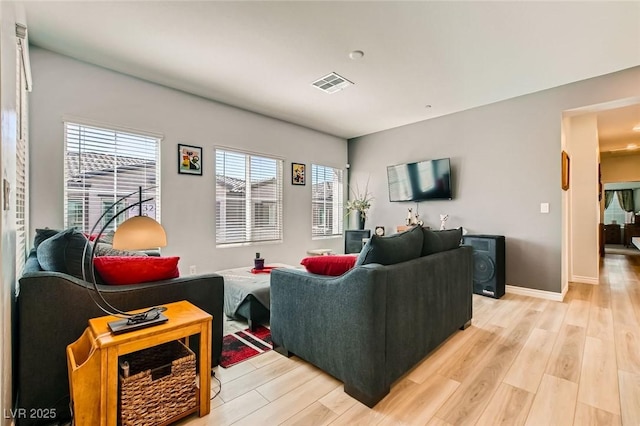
524,361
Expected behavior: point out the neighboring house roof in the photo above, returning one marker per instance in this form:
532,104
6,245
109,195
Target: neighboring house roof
322,190
234,185
231,184
95,163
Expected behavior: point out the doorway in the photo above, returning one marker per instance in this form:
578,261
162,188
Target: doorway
595,137
621,218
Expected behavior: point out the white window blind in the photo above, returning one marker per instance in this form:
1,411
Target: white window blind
22,163
327,210
103,165
248,198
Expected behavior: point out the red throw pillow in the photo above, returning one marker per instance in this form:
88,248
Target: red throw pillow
120,270
333,265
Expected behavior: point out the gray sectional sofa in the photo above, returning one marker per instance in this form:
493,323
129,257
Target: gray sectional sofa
407,294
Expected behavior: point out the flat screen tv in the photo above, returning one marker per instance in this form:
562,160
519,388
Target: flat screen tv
424,180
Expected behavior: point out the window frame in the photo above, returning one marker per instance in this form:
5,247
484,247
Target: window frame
23,87
337,211
92,199
247,206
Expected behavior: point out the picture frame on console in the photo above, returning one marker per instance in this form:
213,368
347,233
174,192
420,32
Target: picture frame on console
189,160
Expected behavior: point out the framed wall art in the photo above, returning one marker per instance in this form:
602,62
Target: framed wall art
189,160
298,174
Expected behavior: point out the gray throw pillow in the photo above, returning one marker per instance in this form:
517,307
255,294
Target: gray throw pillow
437,241
392,249
63,253
43,234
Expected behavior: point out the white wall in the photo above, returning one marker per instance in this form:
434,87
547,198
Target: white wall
66,87
7,221
584,206
506,161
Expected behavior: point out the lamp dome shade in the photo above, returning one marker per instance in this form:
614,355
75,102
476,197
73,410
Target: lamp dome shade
139,233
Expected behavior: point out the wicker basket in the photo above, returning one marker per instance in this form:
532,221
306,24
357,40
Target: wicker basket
161,385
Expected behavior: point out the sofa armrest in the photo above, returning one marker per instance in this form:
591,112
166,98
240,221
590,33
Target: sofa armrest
312,315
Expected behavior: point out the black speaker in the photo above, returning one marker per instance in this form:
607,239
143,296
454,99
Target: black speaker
488,264
353,240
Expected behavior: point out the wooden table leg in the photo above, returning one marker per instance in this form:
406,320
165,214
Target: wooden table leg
104,387
112,386
205,369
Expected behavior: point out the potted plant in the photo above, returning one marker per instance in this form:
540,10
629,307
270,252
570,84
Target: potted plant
360,203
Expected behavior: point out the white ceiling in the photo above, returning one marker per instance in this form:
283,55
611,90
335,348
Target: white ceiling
615,130
263,56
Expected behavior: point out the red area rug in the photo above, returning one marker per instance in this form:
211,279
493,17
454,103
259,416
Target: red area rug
242,345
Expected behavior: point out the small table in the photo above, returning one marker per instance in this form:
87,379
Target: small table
185,320
320,252
248,295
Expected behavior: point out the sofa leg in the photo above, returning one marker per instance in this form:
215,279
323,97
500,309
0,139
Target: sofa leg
283,351
466,325
367,399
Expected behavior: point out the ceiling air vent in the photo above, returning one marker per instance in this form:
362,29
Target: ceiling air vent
332,83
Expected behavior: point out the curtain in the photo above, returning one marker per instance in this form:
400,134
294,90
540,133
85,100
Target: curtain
625,198
608,198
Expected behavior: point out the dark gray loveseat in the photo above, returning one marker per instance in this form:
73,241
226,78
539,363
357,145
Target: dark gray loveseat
54,309
375,322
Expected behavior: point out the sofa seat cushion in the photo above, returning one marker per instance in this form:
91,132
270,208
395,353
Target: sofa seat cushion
437,241
333,265
63,252
121,270
392,249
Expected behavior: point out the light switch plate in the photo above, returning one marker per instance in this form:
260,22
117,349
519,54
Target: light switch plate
544,207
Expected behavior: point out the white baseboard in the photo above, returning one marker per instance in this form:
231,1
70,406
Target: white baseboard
584,280
532,292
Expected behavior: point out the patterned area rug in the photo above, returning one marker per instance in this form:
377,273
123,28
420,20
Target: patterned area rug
242,345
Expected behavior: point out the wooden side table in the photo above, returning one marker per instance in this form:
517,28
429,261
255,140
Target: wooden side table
92,380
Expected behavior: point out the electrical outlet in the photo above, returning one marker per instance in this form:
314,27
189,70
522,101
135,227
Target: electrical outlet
192,270
544,207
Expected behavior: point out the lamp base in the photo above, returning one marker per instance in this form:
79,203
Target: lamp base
123,326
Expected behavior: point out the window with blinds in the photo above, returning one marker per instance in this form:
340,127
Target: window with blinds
248,198
103,165
22,171
327,210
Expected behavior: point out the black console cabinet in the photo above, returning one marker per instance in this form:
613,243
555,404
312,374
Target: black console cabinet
353,240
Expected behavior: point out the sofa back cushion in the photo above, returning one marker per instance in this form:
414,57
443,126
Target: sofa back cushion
63,252
392,249
437,241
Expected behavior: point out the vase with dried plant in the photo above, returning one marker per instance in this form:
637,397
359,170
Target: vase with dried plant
359,202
